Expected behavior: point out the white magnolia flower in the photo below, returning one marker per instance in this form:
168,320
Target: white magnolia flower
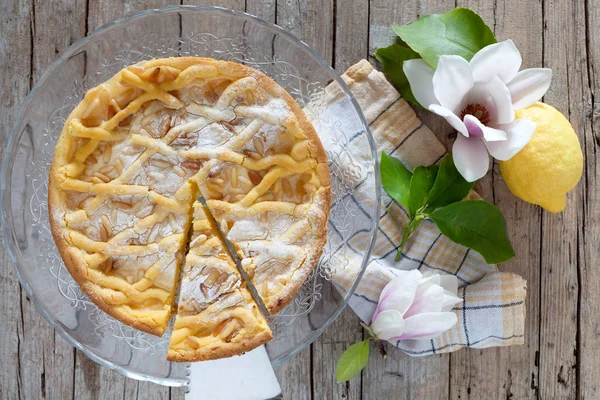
413,307
478,99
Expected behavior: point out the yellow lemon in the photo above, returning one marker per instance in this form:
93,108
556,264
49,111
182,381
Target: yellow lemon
550,164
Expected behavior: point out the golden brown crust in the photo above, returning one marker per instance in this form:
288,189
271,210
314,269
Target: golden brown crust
323,172
222,350
314,254
76,268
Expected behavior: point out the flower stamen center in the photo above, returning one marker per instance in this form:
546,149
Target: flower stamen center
478,111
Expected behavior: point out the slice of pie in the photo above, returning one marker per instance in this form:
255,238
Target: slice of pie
131,159
279,235
216,315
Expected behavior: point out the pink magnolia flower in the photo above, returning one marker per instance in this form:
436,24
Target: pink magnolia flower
413,307
479,98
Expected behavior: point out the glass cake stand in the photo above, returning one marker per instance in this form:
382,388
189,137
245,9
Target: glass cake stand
180,31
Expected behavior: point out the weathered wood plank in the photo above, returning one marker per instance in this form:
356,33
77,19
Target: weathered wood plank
145,390
15,50
43,351
92,380
399,375
517,367
328,349
350,21
589,314
514,370
312,22
383,14
564,52
95,382
351,33
264,9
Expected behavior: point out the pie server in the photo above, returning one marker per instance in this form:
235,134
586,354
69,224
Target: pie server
246,377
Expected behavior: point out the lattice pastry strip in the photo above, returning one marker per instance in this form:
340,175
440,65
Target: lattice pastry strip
278,235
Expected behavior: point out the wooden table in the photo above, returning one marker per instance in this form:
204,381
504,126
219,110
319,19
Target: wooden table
557,254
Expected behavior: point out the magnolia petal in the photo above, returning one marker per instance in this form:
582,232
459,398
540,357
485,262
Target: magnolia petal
402,279
518,135
420,78
450,117
427,325
495,97
452,80
470,157
449,301
477,129
429,298
474,126
502,59
399,293
388,324
529,86
502,101
493,135
449,283
433,279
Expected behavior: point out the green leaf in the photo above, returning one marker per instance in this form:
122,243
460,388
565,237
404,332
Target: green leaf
352,361
395,178
449,186
420,185
459,32
392,58
478,225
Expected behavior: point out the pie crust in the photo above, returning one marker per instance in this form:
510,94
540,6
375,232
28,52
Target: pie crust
128,166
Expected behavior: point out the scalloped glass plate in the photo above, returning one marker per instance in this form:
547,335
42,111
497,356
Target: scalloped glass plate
179,31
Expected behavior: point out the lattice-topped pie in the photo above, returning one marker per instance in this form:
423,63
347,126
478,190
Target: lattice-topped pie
132,159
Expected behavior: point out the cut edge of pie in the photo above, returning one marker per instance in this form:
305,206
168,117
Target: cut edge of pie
317,222
217,316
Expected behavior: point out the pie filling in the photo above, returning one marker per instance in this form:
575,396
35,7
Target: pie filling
132,158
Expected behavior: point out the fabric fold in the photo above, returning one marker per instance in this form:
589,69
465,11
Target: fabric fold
493,309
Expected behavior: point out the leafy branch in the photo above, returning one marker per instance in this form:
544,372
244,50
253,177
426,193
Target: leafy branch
460,32
437,193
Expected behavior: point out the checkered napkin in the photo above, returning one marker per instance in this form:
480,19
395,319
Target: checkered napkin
492,312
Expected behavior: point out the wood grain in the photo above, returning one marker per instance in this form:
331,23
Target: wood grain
15,61
403,376
312,22
42,350
351,30
557,254
91,380
564,52
588,244
515,370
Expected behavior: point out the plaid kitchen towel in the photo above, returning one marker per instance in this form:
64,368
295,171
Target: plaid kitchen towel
492,312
